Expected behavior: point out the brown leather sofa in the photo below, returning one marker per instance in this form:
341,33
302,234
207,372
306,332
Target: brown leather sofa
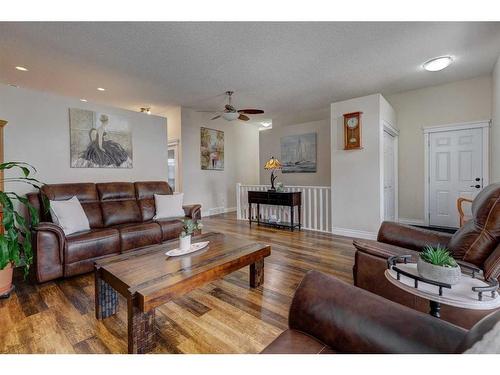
476,243
121,219
330,316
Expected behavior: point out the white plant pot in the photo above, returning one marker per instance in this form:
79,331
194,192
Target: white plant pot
448,275
185,242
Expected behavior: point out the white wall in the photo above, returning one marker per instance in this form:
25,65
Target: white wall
270,146
38,133
217,189
495,128
461,101
356,174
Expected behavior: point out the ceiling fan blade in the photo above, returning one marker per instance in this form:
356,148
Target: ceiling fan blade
251,111
207,111
216,117
243,117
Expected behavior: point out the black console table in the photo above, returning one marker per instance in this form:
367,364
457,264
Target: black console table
290,199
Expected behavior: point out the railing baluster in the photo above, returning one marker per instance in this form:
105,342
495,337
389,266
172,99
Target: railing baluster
315,212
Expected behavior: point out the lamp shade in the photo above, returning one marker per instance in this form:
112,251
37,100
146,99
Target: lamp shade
273,164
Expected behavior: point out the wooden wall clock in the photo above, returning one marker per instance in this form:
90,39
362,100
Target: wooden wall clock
352,131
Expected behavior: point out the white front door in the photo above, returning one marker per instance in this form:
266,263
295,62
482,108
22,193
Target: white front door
389,178
455,170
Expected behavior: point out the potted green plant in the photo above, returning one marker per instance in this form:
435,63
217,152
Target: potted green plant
436,263
188,228
15,238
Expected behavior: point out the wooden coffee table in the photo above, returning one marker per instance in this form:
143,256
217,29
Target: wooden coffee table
148,278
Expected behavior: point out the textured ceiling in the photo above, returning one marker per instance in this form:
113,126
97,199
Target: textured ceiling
279,67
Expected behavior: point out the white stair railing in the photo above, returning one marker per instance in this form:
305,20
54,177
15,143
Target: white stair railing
316,206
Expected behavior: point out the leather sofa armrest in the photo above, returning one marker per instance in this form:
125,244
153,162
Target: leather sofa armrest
352,320
49,241
411,237
383,250
193,211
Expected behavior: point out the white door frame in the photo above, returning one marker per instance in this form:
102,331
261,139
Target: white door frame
174,143
484,125
388,128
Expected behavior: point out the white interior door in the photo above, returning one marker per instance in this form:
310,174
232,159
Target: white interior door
455,170
389,178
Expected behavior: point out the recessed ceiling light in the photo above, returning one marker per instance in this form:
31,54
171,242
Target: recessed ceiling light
101,89
21,68
438,63
83,100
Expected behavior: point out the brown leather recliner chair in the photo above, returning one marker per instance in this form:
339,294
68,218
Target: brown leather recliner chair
477,243
330,316
121,219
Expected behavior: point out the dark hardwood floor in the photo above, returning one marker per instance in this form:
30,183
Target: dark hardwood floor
225,316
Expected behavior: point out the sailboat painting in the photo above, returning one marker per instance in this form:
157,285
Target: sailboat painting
298,153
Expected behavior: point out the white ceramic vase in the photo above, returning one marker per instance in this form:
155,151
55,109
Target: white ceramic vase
185,242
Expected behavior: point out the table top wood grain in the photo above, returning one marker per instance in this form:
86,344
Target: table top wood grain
154,278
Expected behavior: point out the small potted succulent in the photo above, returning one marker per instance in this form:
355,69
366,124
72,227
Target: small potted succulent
189,227
436,263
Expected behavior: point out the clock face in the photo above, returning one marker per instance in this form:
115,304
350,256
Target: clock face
352,122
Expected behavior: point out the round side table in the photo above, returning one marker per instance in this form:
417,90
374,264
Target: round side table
459,295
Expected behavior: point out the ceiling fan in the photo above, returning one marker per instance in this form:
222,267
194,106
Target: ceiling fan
230,113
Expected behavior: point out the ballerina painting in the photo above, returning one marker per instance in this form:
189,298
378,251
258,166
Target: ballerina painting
99,141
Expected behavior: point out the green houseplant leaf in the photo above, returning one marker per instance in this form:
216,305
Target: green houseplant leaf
15,241
438,255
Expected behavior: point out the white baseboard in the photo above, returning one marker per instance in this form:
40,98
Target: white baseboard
217,211
355,233
404,220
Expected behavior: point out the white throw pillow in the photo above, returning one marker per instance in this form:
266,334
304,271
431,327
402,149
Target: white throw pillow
489,344
69,215
169,206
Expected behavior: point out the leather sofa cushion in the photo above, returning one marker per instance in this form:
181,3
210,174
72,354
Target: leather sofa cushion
116,191
170,228
147,189
91,244
145,192
120,212
86,194
478,238
133,236
296,342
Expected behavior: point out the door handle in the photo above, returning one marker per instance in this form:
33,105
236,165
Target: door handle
476,186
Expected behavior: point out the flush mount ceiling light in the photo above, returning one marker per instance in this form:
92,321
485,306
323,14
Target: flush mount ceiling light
101,89
146,110
438,63
21,68
83,100
266,124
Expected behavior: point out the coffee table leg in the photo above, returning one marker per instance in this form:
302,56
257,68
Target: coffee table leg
257,274
141,330
435,309
106,299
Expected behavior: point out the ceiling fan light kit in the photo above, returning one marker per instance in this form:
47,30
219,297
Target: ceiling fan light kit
230,116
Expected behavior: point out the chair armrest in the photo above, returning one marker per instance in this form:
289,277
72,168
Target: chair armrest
383,250
411,237
460,209
49,241
352,320
193,211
